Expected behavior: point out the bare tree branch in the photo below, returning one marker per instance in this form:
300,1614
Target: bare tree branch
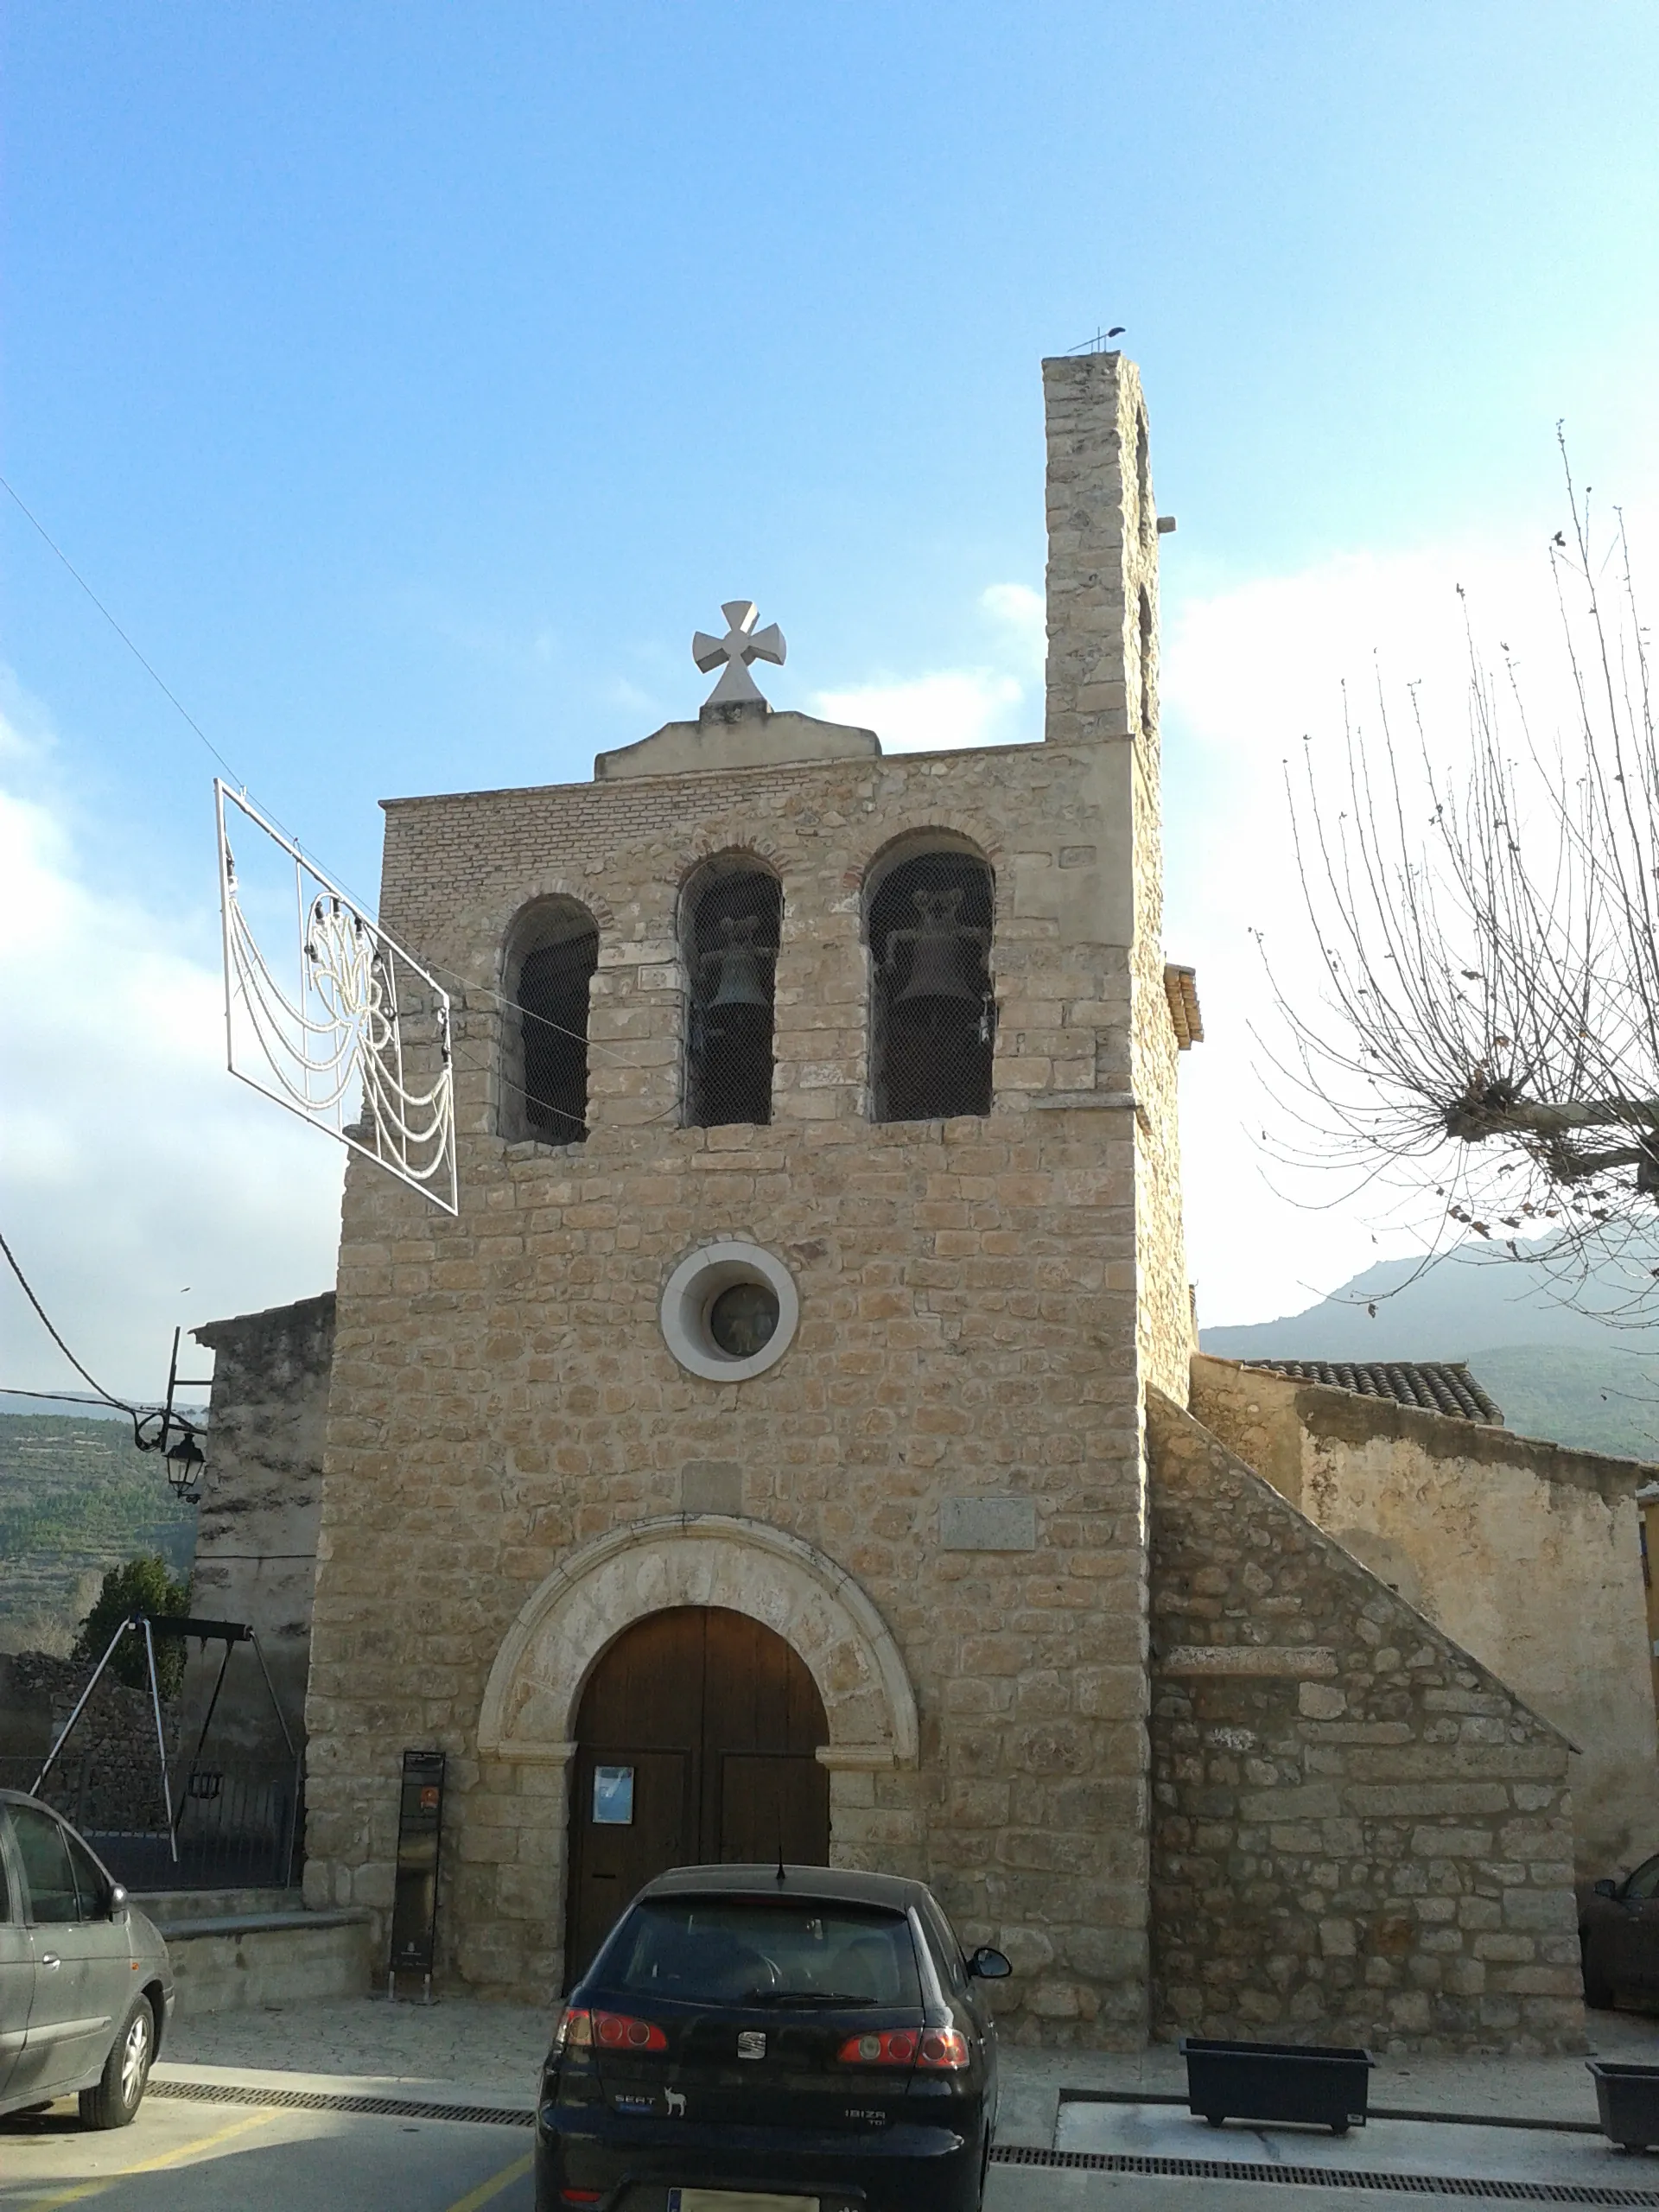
1488,944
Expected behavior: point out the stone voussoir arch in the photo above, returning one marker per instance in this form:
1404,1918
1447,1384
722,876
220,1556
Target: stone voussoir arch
507,917
482,932
716,845
535,1686
984,836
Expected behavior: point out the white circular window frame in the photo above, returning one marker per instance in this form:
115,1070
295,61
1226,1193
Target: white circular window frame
694,1286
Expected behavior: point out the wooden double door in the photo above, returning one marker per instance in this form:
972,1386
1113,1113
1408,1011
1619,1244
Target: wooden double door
695,1742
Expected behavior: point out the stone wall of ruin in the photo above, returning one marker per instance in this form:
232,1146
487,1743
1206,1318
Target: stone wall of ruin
1528,1554
1360,1835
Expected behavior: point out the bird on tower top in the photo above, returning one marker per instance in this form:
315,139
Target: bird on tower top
741,644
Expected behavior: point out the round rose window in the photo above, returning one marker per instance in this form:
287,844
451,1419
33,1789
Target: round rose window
729,1311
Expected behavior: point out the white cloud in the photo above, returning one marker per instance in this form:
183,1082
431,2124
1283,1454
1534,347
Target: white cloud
131,1164
930,713
1023,616
950,709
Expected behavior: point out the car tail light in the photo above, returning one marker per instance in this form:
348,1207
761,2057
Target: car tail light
944,2049
580,2029
891,2047
620,2032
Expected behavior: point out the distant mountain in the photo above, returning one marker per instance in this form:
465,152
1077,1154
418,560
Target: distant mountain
19,1402
75,1498
1557,1373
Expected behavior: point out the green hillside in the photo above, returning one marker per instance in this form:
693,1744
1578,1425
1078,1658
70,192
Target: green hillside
76,1497
1600,1401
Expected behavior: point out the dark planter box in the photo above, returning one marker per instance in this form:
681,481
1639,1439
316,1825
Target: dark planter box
1315,2083
1627,2101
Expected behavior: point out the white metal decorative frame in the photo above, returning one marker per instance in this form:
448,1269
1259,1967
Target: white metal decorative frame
342,1046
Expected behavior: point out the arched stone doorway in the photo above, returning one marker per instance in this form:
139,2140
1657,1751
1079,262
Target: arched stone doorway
536,1684
696,1739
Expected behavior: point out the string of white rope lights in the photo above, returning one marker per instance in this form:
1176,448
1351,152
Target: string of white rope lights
361,1044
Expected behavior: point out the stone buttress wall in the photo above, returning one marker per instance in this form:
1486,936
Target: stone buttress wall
1361,1836
502,1393
1528,1555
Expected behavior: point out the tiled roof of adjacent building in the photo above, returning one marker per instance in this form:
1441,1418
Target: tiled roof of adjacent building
1436,1386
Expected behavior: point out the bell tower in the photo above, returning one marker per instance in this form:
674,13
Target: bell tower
818,1236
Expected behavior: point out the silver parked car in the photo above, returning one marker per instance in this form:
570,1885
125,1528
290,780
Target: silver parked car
85,1990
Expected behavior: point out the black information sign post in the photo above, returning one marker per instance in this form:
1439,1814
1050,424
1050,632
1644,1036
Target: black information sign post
414,1901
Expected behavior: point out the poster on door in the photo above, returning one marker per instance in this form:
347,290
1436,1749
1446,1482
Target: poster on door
613,1797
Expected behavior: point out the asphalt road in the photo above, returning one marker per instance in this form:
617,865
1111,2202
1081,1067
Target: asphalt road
184,2157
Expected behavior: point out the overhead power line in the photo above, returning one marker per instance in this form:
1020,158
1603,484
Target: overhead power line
149,669
499,998
120,1404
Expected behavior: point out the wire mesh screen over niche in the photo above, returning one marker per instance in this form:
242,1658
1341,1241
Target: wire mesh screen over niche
734,915
556,953
933,1015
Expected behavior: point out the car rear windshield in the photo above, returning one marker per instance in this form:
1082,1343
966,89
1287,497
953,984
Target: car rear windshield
745,1951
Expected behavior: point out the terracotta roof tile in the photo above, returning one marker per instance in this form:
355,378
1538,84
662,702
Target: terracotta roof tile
1435,1386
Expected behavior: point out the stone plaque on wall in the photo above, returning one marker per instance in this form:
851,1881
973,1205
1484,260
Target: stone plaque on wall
711,1486
988,1524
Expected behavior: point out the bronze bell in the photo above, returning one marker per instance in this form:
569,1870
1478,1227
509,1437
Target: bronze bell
739,981
936,945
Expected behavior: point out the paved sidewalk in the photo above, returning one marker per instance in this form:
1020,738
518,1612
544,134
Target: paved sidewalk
461,2051
458,2050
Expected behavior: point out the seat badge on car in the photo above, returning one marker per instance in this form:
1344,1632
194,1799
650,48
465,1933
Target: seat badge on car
751,2043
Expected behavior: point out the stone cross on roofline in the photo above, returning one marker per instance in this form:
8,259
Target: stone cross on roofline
741,644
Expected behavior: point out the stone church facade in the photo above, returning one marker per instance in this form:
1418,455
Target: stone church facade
760,1459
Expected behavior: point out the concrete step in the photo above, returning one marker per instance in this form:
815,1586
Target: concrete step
164,1907
266,1949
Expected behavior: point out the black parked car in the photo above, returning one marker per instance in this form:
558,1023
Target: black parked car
811,2038
1618,1935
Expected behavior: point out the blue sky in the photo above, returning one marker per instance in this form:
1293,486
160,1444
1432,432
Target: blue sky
412,380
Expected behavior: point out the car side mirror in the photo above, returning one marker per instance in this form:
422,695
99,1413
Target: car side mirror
990,1965
118,1899
1606,1889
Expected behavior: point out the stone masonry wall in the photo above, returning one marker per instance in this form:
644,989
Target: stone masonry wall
109,1772
1361,1836
503,1394
1167,1337
257,1531
1528,1554
1102,685
1103,545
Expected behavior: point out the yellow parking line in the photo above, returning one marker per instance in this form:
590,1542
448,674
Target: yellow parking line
494,2186
152,2165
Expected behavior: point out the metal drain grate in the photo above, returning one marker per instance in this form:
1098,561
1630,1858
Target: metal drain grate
236,2093
1508,2192
1005,2154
